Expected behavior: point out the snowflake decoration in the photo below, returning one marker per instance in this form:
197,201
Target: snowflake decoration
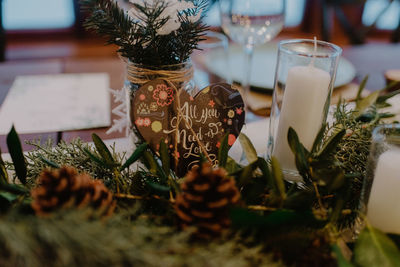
121,111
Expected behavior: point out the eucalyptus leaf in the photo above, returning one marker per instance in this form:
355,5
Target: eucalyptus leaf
361,88
365,103
14,188
278,178
299,151
331,143
246,174
232,166
153,166
150,162
10,197
381,99
263,165
15,150
374,248
319,138
137,154
341,260
223,151
248,148
158,187
95,158
103,151
49,162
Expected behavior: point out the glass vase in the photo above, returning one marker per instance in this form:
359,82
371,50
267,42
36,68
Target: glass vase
380,196
181,75
304,78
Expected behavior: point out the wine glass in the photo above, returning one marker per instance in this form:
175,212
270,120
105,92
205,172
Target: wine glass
251,23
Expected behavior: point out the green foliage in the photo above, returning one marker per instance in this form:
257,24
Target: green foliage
296,222
69,239
374,248
15,149
248,148
353,150
137,154
223,151
139,41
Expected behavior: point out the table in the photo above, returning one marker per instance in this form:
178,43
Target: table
372,59
9,70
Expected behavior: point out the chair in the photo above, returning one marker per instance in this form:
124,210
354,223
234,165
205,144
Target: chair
345,13
78,26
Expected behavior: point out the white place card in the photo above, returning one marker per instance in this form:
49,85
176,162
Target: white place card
52,103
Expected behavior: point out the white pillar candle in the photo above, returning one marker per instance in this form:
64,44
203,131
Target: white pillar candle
305,94
384,202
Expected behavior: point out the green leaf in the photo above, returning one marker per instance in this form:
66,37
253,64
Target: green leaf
331,144
245,218
14,188
365,103
361,88
263,165
135,156
248,148
341,261
103,151
165,158
232,166
95,158
3,171
49,162
278,178
318,139
150,162
223,151
10,197
15,150
246,174
299,151
381,99
374,248
153,166
158,187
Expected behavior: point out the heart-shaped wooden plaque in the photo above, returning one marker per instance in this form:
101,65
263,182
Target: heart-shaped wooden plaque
188,125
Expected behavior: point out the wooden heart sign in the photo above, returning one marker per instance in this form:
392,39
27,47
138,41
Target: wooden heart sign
189,126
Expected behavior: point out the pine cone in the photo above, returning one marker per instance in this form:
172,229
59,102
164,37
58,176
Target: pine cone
65,188
204,202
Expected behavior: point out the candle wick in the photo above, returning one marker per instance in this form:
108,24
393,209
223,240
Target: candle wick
315,51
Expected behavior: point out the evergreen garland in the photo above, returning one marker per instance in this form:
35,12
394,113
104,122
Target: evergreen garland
138,40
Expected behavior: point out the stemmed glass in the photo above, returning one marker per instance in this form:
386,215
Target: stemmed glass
251,23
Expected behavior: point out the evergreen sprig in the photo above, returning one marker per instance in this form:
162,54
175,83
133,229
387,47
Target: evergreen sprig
138,40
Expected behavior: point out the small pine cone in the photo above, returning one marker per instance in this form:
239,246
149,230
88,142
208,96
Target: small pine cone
65,188
204,202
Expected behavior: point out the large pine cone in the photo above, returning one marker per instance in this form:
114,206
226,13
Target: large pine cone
65,188
205,200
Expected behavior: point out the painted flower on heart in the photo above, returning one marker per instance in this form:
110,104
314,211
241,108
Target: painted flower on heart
139,122
146,122
211,103
231,113
163,95
239,111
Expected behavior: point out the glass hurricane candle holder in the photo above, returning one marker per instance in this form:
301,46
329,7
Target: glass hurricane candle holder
380,190
304,78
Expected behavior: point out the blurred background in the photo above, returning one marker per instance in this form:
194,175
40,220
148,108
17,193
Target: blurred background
47,37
